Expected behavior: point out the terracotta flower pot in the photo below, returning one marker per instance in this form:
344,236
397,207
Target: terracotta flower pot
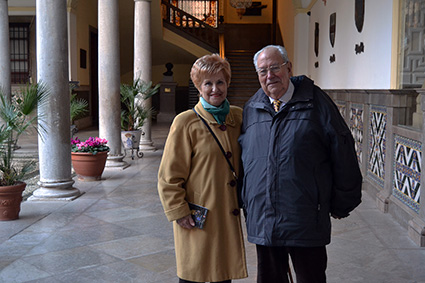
89,167
10,201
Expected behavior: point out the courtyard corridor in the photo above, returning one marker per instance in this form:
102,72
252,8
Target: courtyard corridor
117,232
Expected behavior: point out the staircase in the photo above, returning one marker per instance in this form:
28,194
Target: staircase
193,97
189,27
244,82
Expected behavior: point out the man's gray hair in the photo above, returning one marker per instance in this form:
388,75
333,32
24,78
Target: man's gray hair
279,48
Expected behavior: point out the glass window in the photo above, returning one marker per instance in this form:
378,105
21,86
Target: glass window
19,52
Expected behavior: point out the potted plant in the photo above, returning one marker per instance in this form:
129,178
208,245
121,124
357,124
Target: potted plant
17,115
134,113
89,158
79,107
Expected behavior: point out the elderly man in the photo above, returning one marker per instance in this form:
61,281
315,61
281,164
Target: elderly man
300,168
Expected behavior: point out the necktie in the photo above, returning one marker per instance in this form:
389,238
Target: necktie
276,105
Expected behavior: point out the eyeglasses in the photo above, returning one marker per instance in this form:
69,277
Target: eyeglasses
272,69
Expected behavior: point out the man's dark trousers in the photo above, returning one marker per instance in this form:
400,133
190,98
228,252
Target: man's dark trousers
309,264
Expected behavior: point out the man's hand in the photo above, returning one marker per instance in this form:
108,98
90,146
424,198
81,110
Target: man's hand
186,222
336,216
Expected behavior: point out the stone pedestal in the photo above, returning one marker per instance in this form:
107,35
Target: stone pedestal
418,114
56,191
116,162
167,100
416,231
382,202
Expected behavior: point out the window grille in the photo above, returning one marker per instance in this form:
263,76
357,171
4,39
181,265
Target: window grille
19,53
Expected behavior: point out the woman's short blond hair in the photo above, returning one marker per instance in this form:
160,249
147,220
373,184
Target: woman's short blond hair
209,65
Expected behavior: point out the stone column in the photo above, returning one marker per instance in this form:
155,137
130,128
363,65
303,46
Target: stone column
72,39
143,60
416,229
52,69
109,81
5,76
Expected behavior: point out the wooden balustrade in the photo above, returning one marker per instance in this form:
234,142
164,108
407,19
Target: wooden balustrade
186,24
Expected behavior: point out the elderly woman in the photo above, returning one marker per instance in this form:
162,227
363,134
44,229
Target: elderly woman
194,170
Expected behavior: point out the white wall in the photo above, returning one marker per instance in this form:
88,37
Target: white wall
302,41
368,70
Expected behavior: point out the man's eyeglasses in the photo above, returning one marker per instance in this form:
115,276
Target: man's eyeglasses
272,69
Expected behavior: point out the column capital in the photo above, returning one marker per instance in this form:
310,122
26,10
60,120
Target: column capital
71,5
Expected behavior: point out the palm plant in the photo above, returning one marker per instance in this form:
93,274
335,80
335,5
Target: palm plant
134,113
79,106
16,116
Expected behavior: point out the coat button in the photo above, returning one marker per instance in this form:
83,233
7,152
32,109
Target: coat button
232,183
229,154
235,212
223,127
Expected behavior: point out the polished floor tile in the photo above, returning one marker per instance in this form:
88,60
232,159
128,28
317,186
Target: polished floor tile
116,231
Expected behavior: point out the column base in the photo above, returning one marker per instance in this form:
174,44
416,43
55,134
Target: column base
416,231
116,162
55,191
146,146
382,203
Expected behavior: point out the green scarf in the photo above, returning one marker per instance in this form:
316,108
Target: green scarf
219,113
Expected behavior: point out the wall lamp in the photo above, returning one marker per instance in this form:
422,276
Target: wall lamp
240,6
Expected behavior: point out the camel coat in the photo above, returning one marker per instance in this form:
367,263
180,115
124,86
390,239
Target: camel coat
193,169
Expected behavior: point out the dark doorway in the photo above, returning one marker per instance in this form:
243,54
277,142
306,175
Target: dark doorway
94,78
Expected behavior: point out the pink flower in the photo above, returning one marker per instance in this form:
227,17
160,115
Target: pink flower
91,145
75,141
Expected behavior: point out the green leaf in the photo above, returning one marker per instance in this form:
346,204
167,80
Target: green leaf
17,115
133,112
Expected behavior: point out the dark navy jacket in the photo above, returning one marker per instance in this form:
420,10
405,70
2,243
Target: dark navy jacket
300,165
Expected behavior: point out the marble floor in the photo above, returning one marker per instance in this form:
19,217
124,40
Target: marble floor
117,232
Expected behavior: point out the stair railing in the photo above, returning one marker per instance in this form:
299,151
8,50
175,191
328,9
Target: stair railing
180,21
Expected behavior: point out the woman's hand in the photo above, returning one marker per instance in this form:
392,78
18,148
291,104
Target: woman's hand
186,222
